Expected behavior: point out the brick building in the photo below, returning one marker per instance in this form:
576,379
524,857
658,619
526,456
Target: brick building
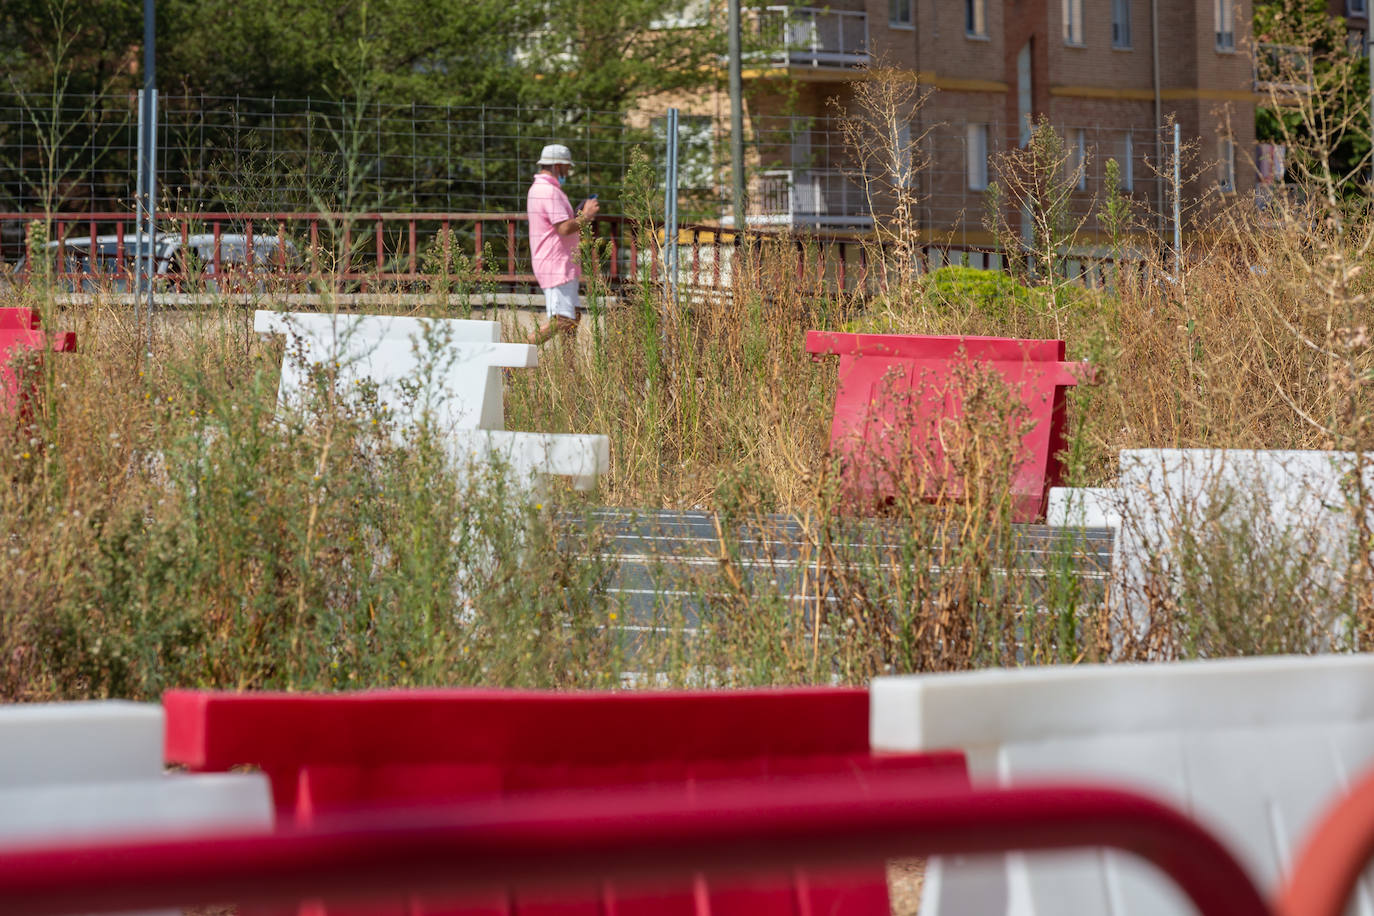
1106,73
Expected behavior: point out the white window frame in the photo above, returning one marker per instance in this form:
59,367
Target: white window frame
1227,149
976,156
1121,25
900,14
1356,8
1073,22
1128,163
975,19
1226,25
1078,156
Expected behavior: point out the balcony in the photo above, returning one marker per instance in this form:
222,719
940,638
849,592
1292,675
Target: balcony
809,197
812,38
1283,69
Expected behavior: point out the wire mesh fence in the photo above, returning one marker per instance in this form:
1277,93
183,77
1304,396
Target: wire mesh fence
231,154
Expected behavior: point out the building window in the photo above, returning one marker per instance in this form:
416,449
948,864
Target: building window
1073,22
1078,158
1356,8
1226,27
1121,23
1227,165
1128,163
975,18
899,12
978,157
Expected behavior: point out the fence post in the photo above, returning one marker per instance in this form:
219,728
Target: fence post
1178,228
670,207
152,212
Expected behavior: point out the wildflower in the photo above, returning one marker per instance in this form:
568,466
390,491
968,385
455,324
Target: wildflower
26,455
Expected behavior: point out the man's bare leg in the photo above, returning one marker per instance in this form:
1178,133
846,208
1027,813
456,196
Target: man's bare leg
542,333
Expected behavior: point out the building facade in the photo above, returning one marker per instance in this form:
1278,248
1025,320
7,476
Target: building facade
1109,75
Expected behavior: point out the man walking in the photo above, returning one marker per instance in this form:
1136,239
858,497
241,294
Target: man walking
554,233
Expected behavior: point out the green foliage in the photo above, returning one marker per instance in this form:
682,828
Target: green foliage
990,292
492,52
1326,125
311,551
1116,213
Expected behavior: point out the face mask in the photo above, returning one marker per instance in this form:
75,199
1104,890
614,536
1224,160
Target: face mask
562,180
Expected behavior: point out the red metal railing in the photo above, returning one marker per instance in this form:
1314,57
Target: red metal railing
368,250
624,834
1333,857
385,251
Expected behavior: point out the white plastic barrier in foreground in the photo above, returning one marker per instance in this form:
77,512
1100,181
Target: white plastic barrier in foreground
71,772
1254,749
446,370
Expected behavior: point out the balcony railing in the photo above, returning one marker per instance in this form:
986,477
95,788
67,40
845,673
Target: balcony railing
1283,68
812,37
809,197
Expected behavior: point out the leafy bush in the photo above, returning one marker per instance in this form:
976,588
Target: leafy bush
990,292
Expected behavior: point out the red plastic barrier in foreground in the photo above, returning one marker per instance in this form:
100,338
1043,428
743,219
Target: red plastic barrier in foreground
339,752
22,343
909,408
650,834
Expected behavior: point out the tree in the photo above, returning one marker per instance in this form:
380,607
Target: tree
609,54
1318,92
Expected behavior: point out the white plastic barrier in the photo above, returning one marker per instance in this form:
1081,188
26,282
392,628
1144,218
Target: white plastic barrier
76,772
1254,749
459,364
1290,510
527,455
391,349
160,806
66,743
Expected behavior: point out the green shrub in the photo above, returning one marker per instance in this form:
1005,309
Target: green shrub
990,292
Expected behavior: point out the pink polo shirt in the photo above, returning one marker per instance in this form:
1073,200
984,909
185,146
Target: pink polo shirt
554,255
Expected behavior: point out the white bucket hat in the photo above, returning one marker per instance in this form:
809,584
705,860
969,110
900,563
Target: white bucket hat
555,154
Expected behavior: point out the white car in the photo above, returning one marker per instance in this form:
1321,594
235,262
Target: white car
191,264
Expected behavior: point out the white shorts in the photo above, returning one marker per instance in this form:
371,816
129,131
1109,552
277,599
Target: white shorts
561,300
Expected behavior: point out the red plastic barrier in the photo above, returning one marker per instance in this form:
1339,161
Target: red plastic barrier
22,343
1333,857
333,753
902,400
647,834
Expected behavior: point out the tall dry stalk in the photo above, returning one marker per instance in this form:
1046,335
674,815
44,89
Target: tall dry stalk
888,152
